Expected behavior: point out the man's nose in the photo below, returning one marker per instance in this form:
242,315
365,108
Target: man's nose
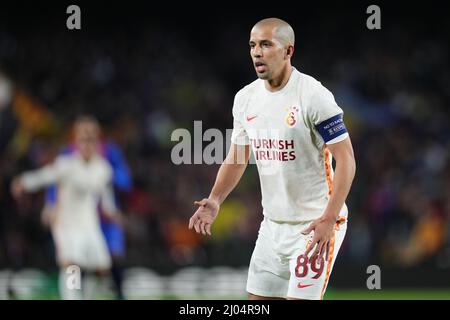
257,52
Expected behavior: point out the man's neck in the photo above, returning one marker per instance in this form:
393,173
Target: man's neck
86,159
279,82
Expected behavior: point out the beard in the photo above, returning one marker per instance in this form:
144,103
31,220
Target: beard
264,75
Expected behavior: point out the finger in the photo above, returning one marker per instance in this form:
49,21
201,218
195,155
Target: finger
327,250
322,248
316,251
202,202
197,226
191,221
208,229
311,246
202,228
308,230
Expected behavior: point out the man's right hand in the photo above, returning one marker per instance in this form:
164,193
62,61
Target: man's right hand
16,188
205,215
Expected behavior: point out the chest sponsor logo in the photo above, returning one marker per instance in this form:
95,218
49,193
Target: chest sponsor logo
273,149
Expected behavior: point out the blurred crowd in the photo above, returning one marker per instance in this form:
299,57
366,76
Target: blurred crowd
144,81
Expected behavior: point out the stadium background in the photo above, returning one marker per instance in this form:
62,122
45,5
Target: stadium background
145,72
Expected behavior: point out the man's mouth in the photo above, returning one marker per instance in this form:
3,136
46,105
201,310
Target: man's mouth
260,67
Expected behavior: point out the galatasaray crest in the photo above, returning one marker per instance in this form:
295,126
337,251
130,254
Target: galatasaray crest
292,116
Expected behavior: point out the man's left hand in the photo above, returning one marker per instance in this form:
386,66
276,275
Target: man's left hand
323,233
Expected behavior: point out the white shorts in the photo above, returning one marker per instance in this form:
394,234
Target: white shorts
279,268
87,249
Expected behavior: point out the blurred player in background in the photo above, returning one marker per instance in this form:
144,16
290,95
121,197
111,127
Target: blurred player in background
84,179
113,231
292,123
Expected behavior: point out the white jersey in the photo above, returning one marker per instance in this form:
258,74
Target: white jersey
288,131
82,185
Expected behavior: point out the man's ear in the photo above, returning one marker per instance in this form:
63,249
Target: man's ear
289,51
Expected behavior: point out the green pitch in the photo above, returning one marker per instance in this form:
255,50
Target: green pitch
332,294
388,294
359,294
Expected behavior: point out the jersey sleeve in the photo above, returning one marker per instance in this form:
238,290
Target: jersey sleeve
45,176
327,117
51,193
239,135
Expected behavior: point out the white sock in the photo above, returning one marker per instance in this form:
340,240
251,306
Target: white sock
90,285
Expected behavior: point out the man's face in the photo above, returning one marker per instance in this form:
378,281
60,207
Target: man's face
267,53
86,139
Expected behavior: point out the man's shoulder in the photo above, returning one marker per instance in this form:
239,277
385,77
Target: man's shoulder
101,161
312,89
248,89
308,82
65,162
65,158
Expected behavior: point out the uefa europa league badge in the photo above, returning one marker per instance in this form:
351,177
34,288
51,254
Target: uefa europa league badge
292,116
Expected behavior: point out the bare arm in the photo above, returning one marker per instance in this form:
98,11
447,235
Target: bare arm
37,179
230,172
228,176
343,178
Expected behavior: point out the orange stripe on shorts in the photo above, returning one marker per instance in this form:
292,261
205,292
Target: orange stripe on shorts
330,260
